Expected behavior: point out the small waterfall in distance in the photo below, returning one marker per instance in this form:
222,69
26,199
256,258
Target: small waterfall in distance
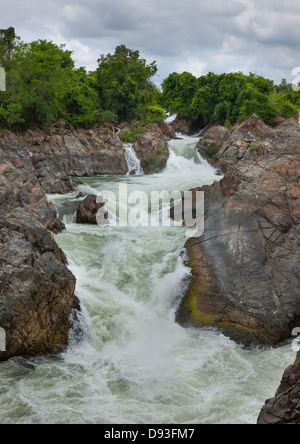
134,164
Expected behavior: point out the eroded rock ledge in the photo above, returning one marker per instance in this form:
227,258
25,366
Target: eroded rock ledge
246,266
152,148
61,154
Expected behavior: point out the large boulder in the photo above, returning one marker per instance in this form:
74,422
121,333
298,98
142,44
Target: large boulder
211,140
246,266
87,210
152,148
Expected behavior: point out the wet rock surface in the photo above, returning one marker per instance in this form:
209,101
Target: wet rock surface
246,266
87,210
284,408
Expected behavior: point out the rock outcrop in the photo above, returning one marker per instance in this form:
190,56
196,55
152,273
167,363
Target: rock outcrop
246,266
152,148
87,210
284,408
37,298
211,141
250,139
187,126
61,155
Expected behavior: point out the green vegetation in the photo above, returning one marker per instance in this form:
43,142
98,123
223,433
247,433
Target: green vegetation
229,98
43,85
123,83
213,149
137,128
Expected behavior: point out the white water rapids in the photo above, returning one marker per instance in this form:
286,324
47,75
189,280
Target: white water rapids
134,364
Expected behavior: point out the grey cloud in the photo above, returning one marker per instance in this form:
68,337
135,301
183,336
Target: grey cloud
218,35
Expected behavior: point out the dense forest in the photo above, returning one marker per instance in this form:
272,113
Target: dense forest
229,98
43,85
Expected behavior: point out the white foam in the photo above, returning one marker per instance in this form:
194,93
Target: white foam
134,364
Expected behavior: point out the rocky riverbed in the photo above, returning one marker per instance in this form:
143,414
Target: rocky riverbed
37,299
245,268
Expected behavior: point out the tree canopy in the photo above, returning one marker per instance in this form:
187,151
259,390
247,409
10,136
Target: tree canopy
229,98
43,85
123,83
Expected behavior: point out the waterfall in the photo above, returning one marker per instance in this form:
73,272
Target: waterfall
133,163
134,364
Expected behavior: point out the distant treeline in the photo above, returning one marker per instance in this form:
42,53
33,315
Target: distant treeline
43,85
229,98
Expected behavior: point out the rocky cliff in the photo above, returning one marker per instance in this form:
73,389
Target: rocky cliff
61,154
246,266
284,408
36,288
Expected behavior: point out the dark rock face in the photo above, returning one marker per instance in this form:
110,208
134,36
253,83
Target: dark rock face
246,266
36,288
61,155
87,210
187,126
152,148
284,408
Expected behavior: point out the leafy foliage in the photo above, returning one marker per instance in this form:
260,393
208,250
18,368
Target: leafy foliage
123,83
43,85
8,39
39,77
229,98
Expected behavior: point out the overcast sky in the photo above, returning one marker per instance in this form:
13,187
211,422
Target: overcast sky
261,36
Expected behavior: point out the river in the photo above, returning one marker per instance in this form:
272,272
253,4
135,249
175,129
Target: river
133,364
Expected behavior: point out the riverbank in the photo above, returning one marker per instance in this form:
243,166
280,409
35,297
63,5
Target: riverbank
37,294
246,265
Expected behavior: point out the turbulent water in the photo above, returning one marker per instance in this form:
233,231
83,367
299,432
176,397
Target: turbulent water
134,364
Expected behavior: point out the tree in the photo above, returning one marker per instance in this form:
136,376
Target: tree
38,78
81,103
8,39
178,93
123,83
228,98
